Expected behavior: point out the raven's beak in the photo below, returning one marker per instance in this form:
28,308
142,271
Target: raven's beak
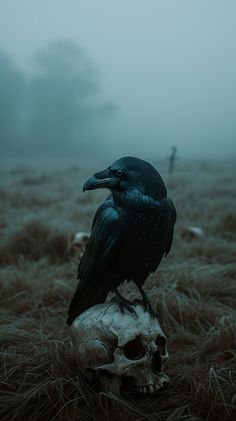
99,180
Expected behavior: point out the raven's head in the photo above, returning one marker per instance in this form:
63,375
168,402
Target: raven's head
129,173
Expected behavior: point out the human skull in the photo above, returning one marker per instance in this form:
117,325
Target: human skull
78,244
123,351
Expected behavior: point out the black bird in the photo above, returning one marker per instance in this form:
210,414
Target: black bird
131,232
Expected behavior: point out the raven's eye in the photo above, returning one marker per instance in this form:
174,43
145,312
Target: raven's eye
119,173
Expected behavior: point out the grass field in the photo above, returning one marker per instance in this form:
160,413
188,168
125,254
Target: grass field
194,291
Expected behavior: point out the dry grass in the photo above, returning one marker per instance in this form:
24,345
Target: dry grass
194,292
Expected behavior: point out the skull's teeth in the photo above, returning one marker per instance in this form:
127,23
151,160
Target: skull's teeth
150,388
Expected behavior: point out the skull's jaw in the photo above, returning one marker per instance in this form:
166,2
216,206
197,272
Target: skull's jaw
158,382
128,385
163,381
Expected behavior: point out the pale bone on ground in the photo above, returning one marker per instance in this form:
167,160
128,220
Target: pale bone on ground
190,233
120,350
78,243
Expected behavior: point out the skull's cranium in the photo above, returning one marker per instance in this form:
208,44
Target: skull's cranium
122,351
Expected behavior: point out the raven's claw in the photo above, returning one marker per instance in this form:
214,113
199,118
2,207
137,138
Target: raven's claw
146,304
123,303
148,307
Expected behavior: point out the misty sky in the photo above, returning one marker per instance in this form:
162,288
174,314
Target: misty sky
169,66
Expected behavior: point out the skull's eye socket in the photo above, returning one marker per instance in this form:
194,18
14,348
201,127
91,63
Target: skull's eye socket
119,173
161,343
134,350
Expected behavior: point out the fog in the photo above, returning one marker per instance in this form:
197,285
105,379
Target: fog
54,110
108,78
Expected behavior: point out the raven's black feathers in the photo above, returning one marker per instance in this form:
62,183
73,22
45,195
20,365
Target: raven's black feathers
100,251
131,232
170,231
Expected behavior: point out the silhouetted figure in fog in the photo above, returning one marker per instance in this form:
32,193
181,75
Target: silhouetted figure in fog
131,232
172,158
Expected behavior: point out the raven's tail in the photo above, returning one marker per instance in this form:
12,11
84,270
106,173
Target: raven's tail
85,298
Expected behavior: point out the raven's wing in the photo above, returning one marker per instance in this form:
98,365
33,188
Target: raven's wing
99,253
102,244
172,219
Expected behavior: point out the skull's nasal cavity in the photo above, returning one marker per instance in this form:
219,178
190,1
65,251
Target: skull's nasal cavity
134,350
156,362
161,343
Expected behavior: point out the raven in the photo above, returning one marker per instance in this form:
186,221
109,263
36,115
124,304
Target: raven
131,231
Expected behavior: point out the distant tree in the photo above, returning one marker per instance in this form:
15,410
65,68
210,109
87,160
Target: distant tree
64,114
11,106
